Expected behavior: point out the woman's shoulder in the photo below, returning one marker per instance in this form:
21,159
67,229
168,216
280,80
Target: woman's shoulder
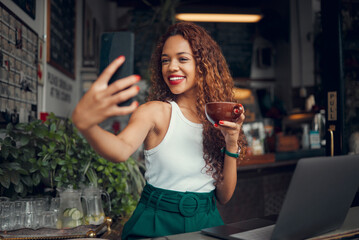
154,108
159,105
156,114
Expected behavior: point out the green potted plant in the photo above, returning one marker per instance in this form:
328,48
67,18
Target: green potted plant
50,154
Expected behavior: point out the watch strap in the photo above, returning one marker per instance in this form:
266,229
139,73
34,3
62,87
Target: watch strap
235,155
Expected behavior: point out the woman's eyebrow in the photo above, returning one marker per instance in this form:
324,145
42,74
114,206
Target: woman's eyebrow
183,53
180,53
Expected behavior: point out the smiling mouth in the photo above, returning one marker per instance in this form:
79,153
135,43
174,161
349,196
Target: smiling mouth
175,80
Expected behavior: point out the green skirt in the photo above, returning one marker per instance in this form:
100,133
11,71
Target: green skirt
163,212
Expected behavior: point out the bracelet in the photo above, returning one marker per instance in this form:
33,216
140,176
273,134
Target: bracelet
235,155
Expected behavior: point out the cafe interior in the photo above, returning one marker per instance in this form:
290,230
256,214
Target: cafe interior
294,63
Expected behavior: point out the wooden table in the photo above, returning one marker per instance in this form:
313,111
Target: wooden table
349,230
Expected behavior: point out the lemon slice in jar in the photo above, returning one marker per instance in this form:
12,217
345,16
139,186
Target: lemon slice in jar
76,214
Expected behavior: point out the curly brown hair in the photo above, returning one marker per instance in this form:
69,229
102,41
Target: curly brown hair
214,84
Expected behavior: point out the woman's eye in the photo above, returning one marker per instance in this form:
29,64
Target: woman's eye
183,59
164,61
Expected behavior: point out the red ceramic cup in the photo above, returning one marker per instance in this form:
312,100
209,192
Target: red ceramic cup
226,111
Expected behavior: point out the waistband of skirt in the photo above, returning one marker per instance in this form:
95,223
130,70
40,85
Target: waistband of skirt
185,203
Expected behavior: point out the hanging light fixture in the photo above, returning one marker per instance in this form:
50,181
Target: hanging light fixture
219,17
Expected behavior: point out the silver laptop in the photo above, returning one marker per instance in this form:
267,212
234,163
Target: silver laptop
318,198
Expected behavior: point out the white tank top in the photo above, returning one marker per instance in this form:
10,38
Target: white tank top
177,162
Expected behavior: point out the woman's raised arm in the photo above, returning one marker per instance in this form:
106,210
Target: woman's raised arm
101,102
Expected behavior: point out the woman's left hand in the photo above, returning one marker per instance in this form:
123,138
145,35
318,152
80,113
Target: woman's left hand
231,130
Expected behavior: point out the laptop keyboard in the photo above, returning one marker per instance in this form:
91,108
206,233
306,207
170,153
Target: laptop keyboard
263,233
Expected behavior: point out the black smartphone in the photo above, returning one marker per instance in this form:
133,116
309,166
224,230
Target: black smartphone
113,45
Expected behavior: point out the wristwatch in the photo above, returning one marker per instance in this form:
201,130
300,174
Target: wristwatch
235,155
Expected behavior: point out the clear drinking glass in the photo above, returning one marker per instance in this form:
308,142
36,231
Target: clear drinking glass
40,204
39,208
49,219
4,199
29,212
55,204
55,207
1,218
6,218
19,217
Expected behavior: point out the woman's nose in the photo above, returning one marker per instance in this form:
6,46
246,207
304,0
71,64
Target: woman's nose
173,66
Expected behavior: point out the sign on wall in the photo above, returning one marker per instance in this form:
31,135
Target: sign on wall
59,94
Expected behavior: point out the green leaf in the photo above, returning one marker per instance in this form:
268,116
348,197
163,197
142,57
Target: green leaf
44,172
122,167
14,177
102,161
60,132
57,178
5,180
100,168
13,166
44,148
23,171
8,141
52,146
70,152
14,152
4,152
53,165
19,188
24,140
45,159
61,162
53,127
92,176
44,163
32,160
36,178
40,132
9,127
27,180
21,126
111,179
28,153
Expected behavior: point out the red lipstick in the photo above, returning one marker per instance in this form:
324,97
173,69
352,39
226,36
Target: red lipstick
175,79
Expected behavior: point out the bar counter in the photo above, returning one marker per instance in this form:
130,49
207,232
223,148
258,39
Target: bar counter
278,159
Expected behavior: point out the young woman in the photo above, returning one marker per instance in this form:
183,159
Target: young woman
186,171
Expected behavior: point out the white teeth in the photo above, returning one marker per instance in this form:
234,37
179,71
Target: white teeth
175,78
